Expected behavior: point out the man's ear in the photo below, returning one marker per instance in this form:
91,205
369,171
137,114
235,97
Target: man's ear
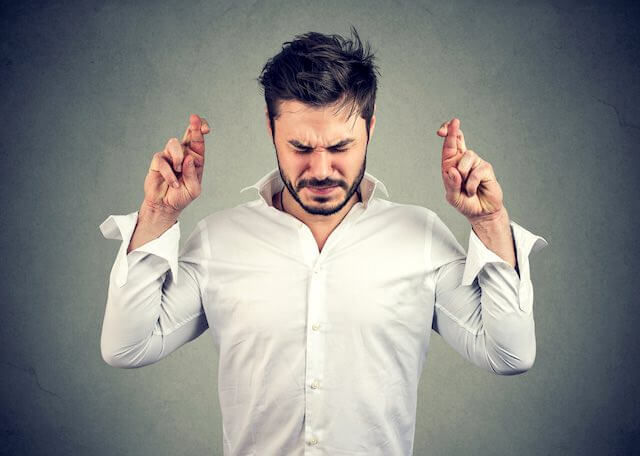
269,132
372,124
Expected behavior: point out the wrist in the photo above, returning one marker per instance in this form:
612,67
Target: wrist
154,214
495,222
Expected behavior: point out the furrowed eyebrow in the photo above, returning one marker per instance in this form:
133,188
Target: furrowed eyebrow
299,145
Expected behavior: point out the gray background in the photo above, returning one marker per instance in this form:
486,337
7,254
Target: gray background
546,92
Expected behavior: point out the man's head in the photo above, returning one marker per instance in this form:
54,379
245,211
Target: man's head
318,142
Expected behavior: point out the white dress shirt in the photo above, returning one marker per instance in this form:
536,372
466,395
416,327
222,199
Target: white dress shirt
320,352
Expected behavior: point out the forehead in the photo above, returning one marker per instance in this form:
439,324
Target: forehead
317,124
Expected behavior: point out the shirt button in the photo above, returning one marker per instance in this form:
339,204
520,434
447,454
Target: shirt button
315,384
315,326
312,441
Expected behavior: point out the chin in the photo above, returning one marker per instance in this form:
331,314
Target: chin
324,205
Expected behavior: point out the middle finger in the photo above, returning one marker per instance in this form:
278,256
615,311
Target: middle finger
459,139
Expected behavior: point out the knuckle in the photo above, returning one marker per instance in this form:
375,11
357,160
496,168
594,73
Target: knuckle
167,170
158,159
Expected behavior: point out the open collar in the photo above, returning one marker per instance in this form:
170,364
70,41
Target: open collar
271,183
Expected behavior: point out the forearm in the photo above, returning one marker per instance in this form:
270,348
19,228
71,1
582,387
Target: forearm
152,222
495,233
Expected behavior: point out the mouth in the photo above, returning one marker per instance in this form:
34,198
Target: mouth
322,190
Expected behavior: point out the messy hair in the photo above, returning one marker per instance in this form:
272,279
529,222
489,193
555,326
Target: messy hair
322,70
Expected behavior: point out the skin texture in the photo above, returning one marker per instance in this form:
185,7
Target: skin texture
470,184
173,181
472,188
319,129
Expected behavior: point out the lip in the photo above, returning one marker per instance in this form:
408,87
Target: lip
323,191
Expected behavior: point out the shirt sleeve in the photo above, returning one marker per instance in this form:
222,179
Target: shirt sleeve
483,308
155,294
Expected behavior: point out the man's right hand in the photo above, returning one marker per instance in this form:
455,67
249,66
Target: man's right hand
174,178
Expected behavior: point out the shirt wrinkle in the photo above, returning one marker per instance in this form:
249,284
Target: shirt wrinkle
320,352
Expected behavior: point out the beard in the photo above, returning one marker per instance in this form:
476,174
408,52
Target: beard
323,210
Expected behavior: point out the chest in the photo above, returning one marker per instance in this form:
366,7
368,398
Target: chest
379,288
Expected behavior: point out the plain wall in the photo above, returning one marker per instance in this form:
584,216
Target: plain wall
546,92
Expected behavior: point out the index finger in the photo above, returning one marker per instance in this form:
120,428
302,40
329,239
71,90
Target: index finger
204,128
196,142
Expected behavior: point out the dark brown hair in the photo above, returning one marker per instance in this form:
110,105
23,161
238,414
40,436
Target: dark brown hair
322,70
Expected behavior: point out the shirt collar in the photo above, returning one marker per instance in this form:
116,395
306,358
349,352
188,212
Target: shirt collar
271,183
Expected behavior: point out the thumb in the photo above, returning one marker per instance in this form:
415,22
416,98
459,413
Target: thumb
190,177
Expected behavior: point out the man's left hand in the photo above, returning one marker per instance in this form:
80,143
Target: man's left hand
470,184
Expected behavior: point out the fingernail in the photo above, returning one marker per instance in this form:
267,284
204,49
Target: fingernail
178,167
176,184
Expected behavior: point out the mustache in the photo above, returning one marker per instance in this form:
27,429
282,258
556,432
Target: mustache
319,184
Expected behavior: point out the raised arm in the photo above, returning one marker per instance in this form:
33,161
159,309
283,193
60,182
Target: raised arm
483,308
149,314
154,301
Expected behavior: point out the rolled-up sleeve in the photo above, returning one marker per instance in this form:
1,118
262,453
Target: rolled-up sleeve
148,315
483,307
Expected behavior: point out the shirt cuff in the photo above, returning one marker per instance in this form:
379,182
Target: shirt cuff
121,227
479,255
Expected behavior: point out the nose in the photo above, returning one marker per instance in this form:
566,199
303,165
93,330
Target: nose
320,164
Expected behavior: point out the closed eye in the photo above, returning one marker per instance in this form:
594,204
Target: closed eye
305,151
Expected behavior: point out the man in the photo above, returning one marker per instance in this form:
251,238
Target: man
320,297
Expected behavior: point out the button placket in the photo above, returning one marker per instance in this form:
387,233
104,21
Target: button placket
315,352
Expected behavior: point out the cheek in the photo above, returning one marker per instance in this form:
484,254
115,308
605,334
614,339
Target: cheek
293,167
354,162
289,161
